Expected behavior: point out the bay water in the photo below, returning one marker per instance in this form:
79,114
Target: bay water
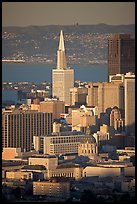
40,72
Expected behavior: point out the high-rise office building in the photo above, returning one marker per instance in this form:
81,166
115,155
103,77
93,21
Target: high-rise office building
54,106
105,96
121,54
62,77
116,120
130,104
18,127
78,96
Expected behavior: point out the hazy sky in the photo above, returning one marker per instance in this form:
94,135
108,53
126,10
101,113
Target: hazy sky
67,13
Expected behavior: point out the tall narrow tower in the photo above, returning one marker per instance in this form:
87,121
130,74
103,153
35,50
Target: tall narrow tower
130,104
62,77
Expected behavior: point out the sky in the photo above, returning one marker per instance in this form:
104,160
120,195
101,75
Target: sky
67,13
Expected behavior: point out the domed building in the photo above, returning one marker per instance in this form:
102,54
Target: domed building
88,146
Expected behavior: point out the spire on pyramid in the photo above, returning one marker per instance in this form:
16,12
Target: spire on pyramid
61,42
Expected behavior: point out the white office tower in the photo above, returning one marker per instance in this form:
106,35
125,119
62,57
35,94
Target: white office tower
62,77
130,104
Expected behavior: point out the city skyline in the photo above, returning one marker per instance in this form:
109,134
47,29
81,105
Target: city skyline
71,139
67,13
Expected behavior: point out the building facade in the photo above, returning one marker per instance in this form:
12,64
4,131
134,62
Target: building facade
53,106
83,117
78,96
62,77
53,189
105,96
116,120
121,54
60,143
130,104
18,127
88,146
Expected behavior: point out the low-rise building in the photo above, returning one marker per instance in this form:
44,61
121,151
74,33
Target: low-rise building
69,170
19,175
59,143
11,153
99,171
49,161
53,189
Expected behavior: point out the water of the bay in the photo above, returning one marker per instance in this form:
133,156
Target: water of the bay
17,72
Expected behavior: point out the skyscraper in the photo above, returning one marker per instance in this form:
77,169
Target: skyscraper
18,127
105,96
116,120
130,104
121,54
62,77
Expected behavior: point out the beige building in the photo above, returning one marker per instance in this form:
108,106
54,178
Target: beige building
115,119
101,171
35,107
103,136
62,77
19,126
49,161
53,106
54,189
71,170
130,104
105,95
11,153
56,127
78,95
19,175
117,78
83,117
60,143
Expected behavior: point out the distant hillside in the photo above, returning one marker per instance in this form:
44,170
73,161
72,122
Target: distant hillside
98,28
84,43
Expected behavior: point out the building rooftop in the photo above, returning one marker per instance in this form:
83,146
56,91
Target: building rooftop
88,139
34,167
67,165
44,156
67,133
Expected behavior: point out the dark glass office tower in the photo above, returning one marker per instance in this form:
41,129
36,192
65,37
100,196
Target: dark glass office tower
121,54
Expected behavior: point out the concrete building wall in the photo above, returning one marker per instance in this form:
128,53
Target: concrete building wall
72,172
76,117
129,171
87,149
10,153
105,95
55,107
61,144
35,107
101,171
49,163
78,95
19,127
52,189
62,81
130,104
19,175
